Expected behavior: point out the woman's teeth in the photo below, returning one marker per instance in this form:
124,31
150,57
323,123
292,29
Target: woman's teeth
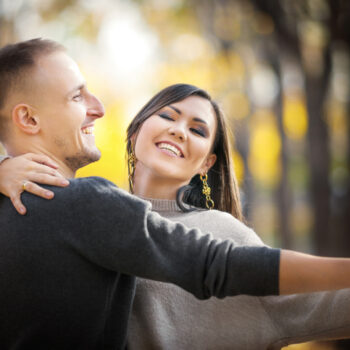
88,131
170,148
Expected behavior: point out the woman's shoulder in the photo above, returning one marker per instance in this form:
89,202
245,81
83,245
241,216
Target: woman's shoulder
221,225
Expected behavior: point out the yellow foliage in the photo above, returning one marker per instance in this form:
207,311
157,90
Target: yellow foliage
295,120
190,73
237,66
337,118
236,104
310,346
238,167
265,148
110,134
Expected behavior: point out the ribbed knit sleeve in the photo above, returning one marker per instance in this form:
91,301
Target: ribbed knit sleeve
120,232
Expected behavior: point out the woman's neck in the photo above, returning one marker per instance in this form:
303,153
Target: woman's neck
149,185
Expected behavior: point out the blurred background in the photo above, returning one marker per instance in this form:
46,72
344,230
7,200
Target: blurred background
279,69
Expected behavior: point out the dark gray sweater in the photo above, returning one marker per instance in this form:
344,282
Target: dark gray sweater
67,267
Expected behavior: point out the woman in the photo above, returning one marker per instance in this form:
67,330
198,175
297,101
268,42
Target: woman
178,155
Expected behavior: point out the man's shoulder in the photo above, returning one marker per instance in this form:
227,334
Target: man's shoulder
93,182
91,187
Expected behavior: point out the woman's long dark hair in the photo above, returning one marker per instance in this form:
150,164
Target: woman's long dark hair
221,177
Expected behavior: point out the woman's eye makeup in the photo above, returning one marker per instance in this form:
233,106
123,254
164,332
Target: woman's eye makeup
165,116
199,131
196,130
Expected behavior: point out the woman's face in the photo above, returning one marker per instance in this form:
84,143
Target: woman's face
176,142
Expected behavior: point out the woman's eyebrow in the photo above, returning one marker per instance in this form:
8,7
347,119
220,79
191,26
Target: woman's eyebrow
196,119
200,120
175,109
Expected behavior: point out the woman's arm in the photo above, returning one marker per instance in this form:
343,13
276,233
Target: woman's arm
302,273
29,169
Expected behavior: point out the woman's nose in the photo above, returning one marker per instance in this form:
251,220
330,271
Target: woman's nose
178,131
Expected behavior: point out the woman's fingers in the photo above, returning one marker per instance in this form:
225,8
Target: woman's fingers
37,190
30,187
16,201
39,158
43,169
43,179
49,179
33,188
29,169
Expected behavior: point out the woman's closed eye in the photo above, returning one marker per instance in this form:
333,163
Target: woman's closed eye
165,116
199,132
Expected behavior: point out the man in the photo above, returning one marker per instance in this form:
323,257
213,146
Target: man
67,267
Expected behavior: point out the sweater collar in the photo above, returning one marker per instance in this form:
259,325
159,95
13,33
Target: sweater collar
163,205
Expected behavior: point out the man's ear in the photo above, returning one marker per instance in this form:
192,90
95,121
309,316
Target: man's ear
25,118
208,163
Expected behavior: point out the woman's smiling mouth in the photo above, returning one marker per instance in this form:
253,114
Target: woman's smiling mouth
170,148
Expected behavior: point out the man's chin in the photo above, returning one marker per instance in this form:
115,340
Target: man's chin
82,159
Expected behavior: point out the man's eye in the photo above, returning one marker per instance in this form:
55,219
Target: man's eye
165,116
77,97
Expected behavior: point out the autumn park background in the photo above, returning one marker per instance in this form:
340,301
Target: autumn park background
279,69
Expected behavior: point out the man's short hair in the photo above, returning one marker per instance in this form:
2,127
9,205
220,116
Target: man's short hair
15,60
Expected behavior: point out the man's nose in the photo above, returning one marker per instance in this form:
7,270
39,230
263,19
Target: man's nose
96,109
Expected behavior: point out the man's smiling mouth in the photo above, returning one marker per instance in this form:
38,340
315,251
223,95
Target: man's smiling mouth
88,130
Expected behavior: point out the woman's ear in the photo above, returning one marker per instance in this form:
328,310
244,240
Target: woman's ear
208,163
133,139
25,118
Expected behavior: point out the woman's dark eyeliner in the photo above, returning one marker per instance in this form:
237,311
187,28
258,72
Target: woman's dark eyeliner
165,116
198,132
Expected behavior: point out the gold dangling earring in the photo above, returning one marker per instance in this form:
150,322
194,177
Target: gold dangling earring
131,168
206,191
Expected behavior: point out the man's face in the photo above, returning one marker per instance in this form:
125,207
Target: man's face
66,109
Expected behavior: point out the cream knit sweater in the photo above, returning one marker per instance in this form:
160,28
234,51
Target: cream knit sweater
166,317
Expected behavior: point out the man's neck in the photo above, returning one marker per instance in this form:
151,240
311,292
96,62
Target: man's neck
63,169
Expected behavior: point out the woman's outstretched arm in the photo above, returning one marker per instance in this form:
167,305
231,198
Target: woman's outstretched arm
303,273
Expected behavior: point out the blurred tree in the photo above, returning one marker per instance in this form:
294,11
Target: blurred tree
309,30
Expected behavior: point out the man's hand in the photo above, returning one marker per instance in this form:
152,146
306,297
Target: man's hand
22,173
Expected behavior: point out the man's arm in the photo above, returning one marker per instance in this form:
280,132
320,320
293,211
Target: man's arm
120,232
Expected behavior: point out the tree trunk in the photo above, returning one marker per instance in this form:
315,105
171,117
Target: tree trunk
319,158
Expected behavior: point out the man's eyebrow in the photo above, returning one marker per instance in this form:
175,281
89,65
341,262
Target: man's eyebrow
78,87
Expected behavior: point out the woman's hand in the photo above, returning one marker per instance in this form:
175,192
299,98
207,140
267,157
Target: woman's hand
21,173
